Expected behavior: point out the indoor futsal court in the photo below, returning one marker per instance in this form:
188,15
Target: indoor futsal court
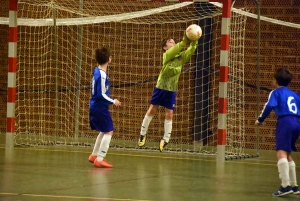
64,173
213,151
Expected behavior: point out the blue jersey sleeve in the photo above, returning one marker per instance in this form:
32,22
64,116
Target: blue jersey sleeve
100,90
268,107
283,101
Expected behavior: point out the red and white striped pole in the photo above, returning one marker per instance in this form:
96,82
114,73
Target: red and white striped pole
12,69
224,55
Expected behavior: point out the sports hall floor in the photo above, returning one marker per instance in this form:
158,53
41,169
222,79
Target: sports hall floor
63,174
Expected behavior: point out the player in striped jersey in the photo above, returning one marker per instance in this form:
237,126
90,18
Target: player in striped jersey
164,93
286,105
100,118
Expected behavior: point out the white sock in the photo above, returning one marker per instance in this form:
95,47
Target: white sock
292,171
283,168
168,130
104,147
146,121
97,144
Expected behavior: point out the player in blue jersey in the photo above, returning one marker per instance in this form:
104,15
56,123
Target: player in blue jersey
100,118
164,93
286,105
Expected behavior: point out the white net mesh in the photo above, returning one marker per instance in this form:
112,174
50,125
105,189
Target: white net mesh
55,61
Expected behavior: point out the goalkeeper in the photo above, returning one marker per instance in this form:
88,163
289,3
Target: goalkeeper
164,94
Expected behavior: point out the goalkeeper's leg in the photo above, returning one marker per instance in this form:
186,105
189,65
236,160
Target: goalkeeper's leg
168,129
145,124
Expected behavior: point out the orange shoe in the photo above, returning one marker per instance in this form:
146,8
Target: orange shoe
92,158
102,164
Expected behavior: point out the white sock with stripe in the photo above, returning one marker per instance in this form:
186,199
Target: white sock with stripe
97,144
283,168
292,171
146,121
104,147
168,130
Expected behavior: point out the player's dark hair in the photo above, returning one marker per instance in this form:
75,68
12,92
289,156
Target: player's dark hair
283,77
102,55
164,42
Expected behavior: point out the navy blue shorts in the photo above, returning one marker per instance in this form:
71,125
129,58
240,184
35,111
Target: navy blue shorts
100,120
287,133
164,98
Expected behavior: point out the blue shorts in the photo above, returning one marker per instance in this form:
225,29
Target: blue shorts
164,98
100,120
287,133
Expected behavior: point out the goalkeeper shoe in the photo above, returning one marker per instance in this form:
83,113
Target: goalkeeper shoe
92,158
102,164
283,191
142,140
162,145
295,190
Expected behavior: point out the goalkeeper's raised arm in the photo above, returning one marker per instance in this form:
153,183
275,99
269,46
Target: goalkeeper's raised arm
173,60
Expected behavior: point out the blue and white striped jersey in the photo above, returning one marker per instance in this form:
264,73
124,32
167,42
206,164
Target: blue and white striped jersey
100,90
283,101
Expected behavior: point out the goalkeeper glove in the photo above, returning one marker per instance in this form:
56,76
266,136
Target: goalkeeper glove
195,42
185,39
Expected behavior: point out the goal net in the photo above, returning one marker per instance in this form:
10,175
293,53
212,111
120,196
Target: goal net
56,42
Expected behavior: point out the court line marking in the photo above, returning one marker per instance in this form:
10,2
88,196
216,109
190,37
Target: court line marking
73,197
274,163
194,159
9,193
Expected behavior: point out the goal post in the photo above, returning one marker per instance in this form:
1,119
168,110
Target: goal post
55,60
224,55
12,68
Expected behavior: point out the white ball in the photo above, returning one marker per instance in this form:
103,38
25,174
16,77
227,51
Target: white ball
193,32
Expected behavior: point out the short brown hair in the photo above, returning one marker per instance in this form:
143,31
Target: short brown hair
102,55
164,42
283,77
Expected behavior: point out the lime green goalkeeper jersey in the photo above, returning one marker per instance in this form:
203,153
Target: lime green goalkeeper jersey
173,61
